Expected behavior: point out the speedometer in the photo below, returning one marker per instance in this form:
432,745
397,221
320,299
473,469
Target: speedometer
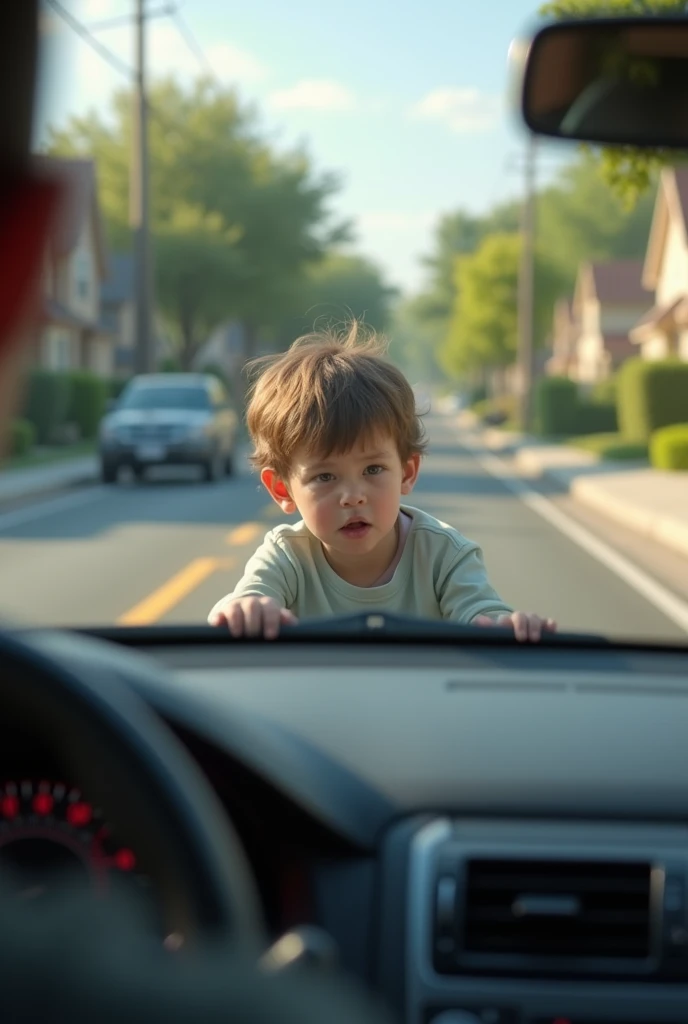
50,833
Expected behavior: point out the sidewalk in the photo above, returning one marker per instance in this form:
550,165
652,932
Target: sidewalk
651,501
16,484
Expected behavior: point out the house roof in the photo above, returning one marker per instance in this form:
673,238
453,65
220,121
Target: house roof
55,313
619,282
671,203
661,318
81,201
118,286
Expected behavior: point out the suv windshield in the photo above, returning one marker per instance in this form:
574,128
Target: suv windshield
165,398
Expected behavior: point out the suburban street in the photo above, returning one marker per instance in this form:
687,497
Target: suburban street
163,551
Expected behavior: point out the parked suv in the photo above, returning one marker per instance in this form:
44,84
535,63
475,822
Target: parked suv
170,419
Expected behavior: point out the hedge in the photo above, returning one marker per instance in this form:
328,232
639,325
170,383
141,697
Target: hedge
669,447
22,438
595,418
560,411
651,395
556,405
47,402
88,399
116,385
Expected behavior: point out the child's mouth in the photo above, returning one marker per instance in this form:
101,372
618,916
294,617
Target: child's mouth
355,530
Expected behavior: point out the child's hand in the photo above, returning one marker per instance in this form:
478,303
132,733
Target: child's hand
252,616
526,627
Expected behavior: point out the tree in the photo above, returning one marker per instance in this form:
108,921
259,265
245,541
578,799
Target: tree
339,287
581,218
457,233
483,332
235,224
630,172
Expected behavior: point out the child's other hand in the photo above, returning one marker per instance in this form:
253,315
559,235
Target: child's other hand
252,616
526,627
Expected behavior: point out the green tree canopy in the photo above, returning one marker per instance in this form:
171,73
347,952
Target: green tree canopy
337,288
235,223
483,331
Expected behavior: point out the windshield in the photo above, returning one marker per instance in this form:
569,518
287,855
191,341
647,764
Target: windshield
164,398
294,168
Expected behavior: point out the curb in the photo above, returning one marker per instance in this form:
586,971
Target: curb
11,496
657,526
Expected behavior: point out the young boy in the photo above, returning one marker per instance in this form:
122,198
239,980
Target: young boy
337,438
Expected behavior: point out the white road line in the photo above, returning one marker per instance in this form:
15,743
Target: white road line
662,598
30,514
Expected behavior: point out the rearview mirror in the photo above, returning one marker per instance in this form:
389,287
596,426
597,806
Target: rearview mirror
621,81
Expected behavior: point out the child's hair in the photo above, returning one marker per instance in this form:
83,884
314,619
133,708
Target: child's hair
331,390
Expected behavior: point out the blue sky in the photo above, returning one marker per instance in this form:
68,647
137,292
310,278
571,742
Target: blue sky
407,101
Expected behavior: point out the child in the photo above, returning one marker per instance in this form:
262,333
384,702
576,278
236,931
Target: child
337,438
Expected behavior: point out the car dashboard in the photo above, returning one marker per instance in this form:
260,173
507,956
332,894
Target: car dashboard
490,834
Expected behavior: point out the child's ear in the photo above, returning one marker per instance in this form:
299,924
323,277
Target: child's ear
410,474
278,490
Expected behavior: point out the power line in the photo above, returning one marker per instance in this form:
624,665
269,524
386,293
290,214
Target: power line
107,55
193,44
125,19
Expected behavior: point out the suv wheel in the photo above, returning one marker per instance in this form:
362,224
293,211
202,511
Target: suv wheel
109,472
212,469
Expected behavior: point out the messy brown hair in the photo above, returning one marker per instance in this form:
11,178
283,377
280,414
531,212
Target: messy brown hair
331,390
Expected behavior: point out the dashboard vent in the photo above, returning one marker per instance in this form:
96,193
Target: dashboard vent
557,908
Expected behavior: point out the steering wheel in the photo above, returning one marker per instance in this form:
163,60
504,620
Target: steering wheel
71,695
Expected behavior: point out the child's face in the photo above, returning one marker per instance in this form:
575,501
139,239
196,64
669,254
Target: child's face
349,501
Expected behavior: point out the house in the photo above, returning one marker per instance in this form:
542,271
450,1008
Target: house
118,316
562,342
225,350
663,329
608,301
118,312
75,268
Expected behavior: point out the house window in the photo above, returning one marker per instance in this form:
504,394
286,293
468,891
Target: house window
61,351
82,271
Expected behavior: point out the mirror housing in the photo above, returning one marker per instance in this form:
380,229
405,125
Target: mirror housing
613,81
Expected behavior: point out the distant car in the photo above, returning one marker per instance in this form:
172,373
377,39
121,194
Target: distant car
170,419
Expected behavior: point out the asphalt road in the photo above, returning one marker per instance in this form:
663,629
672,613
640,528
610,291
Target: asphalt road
163,551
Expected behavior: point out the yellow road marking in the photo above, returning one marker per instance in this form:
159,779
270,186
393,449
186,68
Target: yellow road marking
166,597
244,534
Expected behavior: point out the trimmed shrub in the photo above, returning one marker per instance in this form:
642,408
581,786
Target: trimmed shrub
23,437
669,447
116,385
556,406
605,392
595,418
88,399
47,403
651,395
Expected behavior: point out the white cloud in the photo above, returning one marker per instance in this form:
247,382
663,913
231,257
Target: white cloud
231,64
314,94
462,110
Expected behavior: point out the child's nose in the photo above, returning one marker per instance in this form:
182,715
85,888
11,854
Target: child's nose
352,495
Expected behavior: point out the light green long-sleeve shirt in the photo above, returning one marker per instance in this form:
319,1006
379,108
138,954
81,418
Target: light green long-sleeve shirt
441,575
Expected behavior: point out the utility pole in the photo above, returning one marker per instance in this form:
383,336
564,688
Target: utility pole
526,283
139,209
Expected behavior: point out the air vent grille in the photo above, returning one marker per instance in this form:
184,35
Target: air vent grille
556,908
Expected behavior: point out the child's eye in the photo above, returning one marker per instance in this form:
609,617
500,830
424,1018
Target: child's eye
374,470
323,478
